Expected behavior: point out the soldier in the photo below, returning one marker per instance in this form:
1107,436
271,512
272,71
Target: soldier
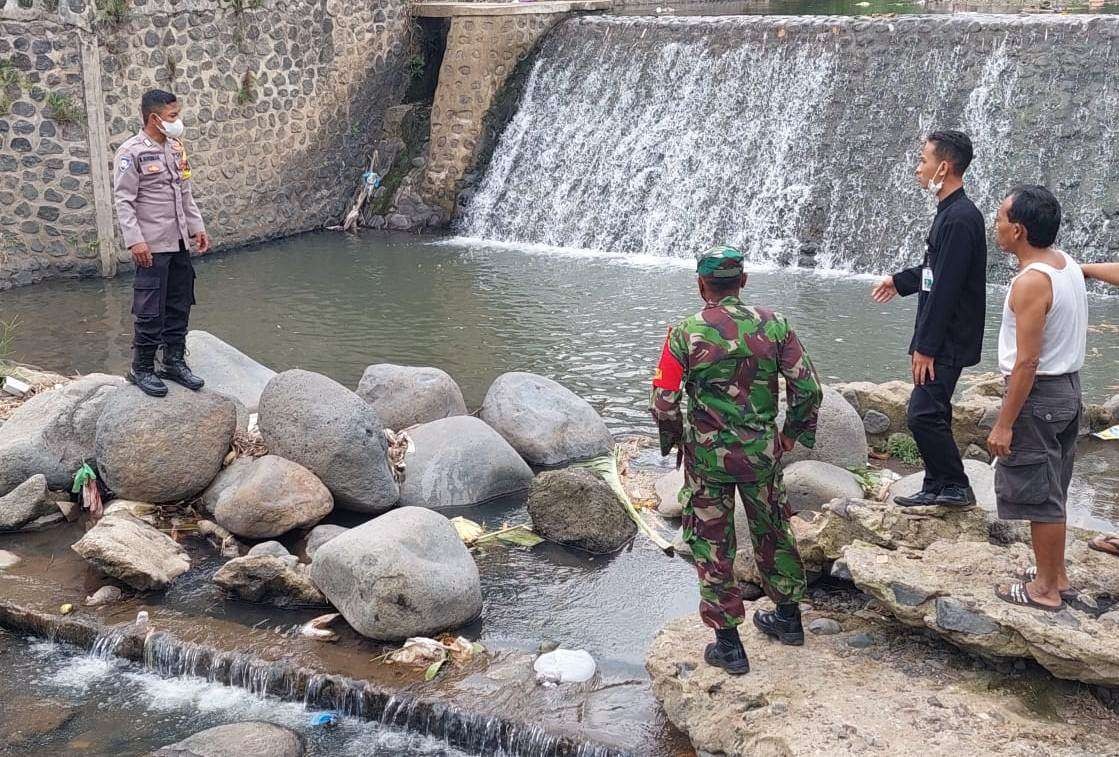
158,218
728,358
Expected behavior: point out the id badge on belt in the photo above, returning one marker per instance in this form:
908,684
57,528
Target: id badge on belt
926,279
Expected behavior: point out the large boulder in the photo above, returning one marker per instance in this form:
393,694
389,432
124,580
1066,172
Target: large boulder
270,579
840,435
405,573
811,484
226,369
53,432
320,424
26,503
668,489
546,423
576,508
460,461
403,395
163,449
948,588
259,498
981,475
249,739
837,697
126,548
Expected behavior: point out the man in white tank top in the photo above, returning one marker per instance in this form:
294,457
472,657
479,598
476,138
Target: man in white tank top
1041,349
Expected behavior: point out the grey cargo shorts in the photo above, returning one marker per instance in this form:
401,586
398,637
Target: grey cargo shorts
1032,482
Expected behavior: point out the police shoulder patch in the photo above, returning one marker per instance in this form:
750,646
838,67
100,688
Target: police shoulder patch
124,164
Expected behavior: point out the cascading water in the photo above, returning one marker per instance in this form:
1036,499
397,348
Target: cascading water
795,138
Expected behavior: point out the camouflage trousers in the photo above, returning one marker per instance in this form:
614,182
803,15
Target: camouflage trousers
708,522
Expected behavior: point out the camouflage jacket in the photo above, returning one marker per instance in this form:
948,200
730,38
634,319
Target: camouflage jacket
728,358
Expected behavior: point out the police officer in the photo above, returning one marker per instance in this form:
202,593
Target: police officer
158,219
951,288
727,358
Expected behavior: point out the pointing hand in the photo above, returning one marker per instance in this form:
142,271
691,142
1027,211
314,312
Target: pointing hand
884,290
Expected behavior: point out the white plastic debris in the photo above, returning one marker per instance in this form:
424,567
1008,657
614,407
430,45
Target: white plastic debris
317,629
564,666
15,387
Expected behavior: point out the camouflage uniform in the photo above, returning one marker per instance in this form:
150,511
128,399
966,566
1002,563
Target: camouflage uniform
727,358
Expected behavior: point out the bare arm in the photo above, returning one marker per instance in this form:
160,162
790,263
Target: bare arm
1106,272
1030,300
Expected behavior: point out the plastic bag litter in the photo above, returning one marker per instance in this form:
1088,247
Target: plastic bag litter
1108,434
564,666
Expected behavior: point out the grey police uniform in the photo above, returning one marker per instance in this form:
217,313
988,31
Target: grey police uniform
152,193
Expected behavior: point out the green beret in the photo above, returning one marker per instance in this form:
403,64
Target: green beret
720,263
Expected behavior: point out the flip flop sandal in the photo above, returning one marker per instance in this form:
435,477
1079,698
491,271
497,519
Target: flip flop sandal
1068,594
1017,594
1110,540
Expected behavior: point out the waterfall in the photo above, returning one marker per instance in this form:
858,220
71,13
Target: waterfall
795,138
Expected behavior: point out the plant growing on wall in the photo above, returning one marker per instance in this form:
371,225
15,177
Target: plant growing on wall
247,93
416,67
63,109
112,12
7,338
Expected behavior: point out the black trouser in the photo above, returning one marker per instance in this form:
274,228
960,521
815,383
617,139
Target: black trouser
930,421
161,298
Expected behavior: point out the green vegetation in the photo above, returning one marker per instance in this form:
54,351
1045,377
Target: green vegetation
10,75
172,68
7,338
112,12
240,6
904,448
416,67
247,93
63,109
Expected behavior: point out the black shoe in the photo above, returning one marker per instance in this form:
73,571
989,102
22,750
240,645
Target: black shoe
143,372
961,497
175,368
726,652
920,499
782,624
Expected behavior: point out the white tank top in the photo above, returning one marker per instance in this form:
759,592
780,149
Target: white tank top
1065,338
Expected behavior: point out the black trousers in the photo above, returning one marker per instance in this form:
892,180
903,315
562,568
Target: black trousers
161,299
929,418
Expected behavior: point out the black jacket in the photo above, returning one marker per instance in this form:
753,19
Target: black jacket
950,317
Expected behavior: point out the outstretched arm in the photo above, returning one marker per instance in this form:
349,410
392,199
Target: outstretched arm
1106,272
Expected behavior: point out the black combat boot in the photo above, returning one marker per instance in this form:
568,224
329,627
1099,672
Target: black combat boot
959,497
782,623
143,372
727,652
175,368
920,499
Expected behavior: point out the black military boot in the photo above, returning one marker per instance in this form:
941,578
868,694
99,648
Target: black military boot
142,373
782,624
175,368
959,497
920,499
727,652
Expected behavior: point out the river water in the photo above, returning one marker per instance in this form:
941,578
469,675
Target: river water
334,303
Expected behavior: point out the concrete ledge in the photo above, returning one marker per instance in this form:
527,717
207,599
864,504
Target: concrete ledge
452,9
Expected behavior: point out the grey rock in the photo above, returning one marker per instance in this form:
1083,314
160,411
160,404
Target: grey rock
952,615
1110,618
668,489
269,579
576,508
840,435
908,595
545,422
404,395
824,627
320,424
811,484
163,449
54,432
273,549
265,497
405,573
875,422
839,570
249,739
319,536
460,461
975,452
860,640
226,369
106,595
24,504
126,548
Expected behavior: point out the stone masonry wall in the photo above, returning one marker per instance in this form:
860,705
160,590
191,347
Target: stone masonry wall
280,100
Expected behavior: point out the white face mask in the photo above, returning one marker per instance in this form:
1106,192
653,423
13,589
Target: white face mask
173,129
933,187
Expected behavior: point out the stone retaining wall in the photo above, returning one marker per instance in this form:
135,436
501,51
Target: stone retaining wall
280,102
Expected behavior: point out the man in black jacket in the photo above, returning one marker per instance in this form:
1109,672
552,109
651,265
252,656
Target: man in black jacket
951,307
